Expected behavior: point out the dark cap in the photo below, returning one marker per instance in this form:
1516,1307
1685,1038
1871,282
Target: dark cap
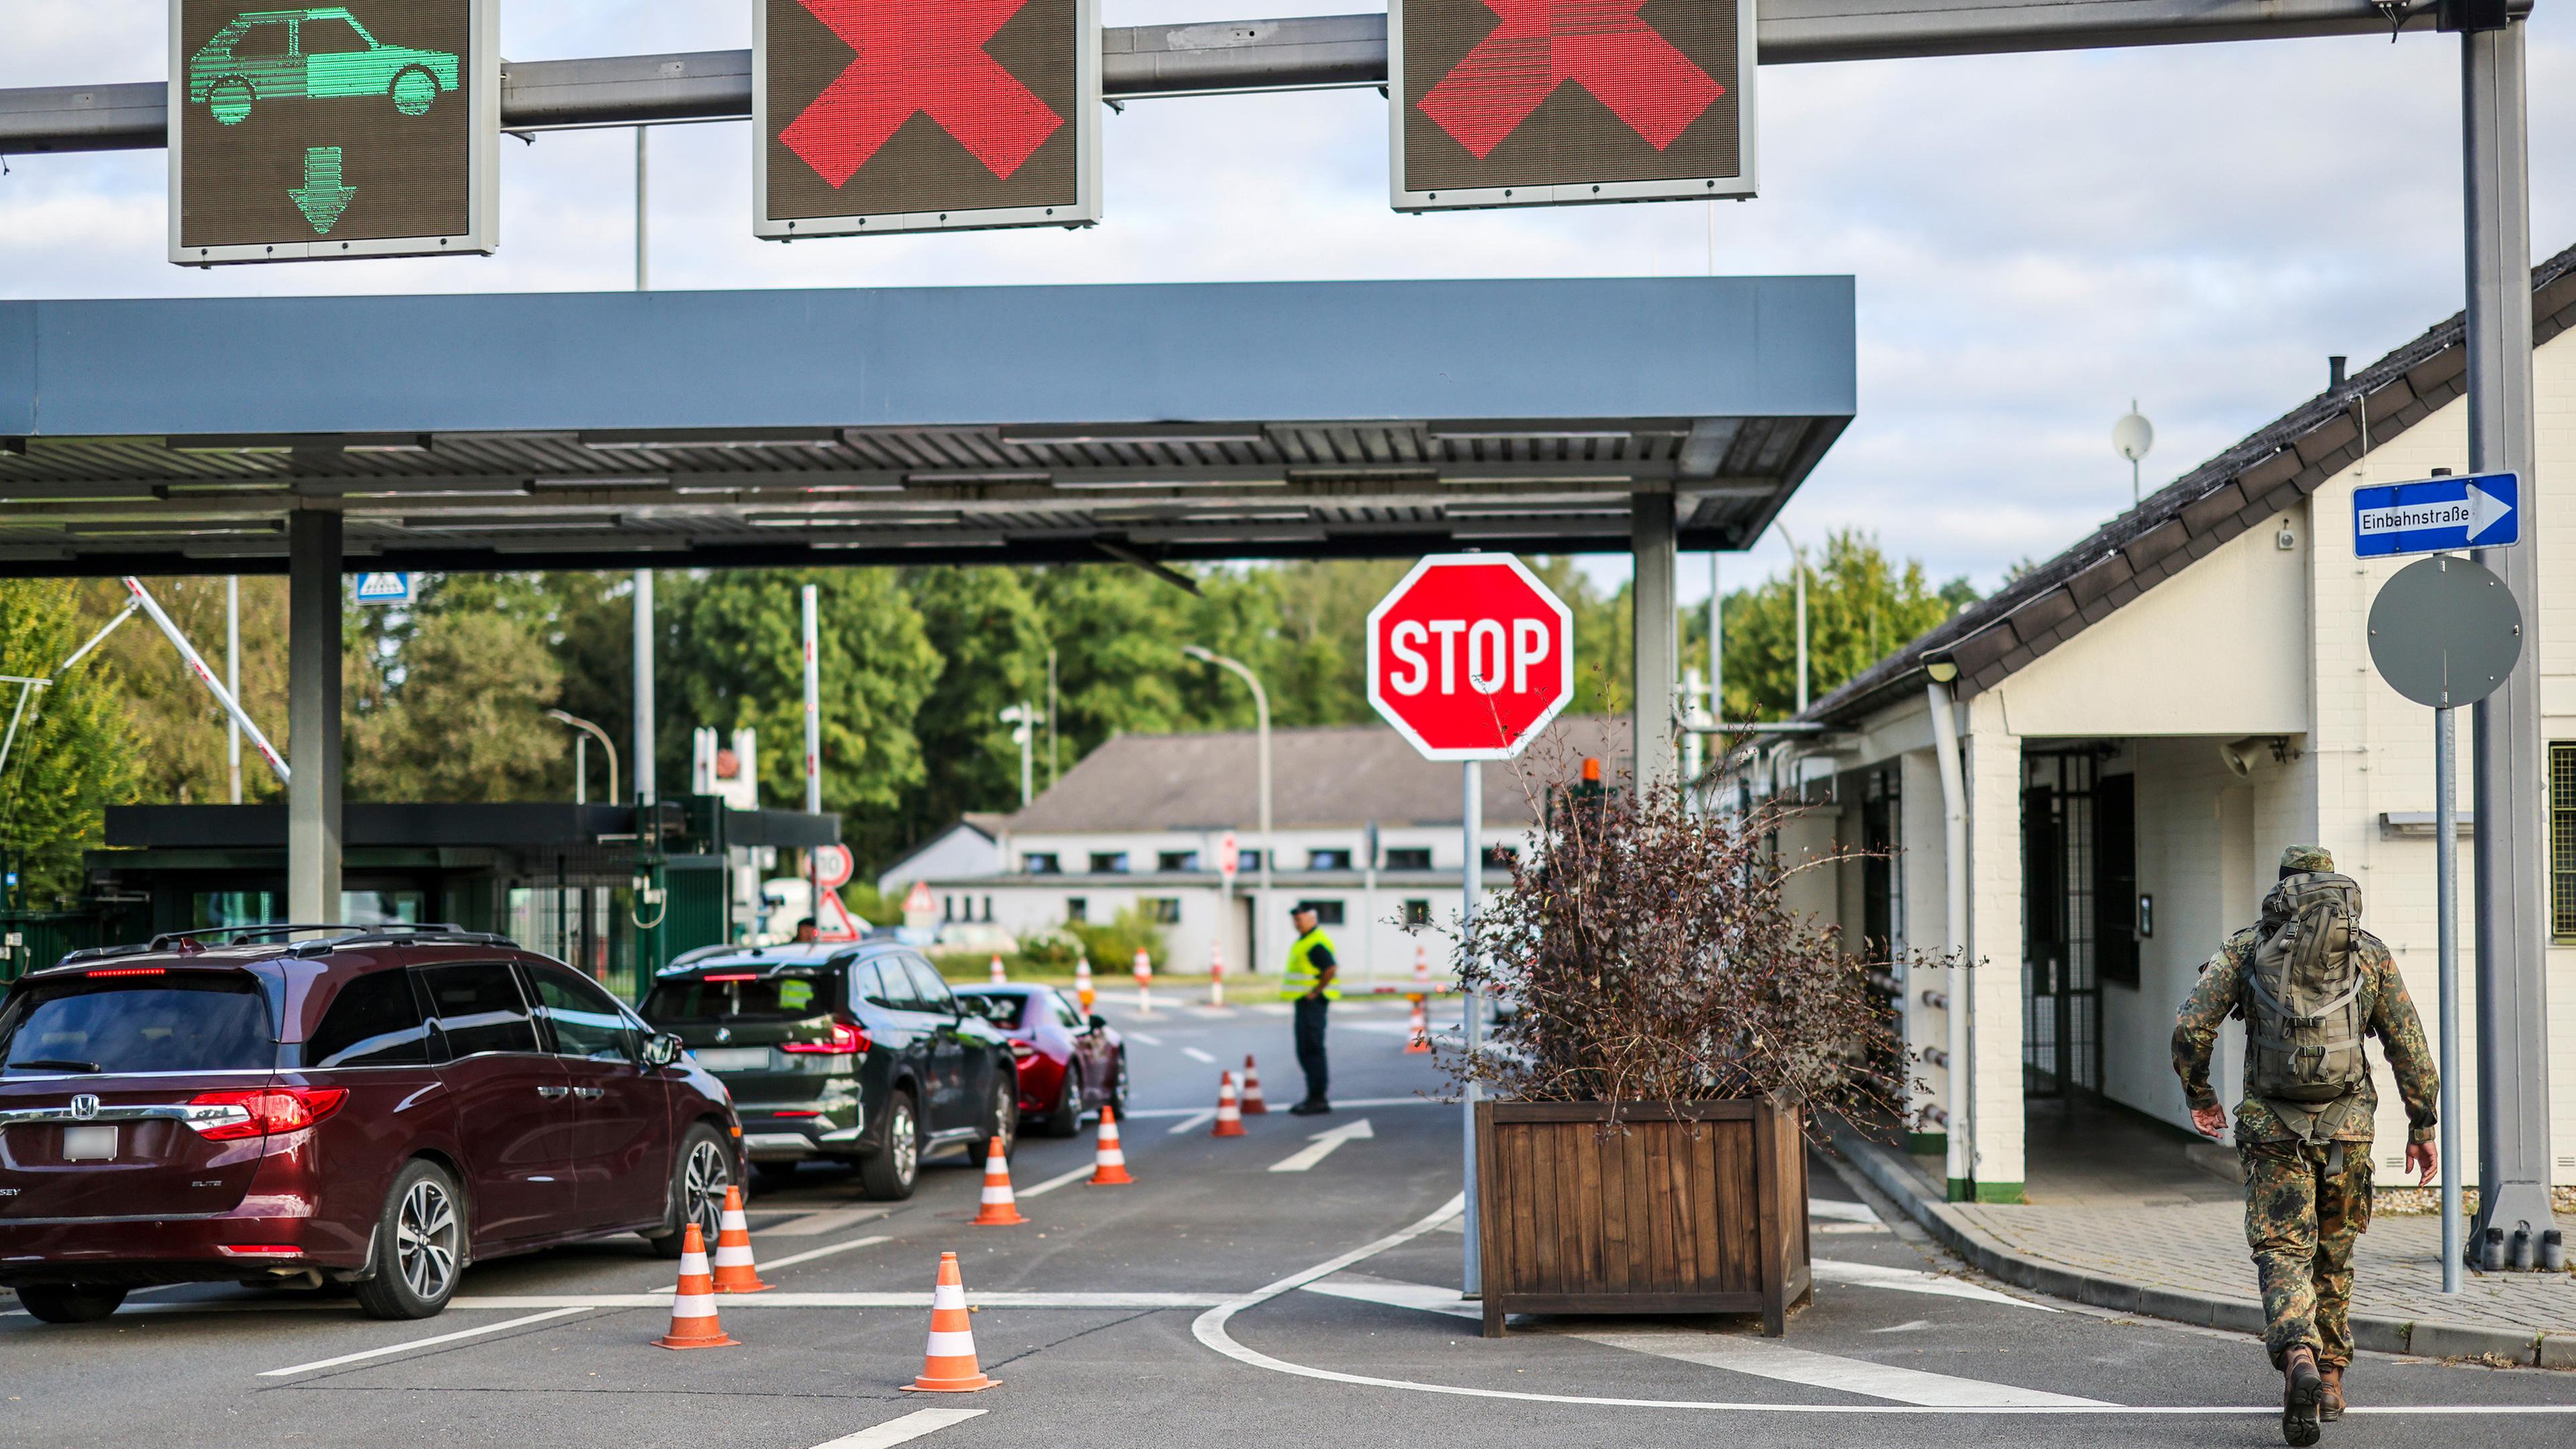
1302,908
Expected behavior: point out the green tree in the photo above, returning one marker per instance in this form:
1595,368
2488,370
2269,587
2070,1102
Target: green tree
74,751
732,653
991,641
176,725
446,700
1860,606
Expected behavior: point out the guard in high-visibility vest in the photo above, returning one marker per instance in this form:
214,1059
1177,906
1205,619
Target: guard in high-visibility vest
1308,982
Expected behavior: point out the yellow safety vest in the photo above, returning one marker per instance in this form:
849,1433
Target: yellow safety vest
1300,976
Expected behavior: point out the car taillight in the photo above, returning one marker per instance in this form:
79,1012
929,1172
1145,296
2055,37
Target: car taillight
130,971
845,1039
266,1111
259,1250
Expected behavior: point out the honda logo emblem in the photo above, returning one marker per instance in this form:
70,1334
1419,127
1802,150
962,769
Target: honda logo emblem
84,1106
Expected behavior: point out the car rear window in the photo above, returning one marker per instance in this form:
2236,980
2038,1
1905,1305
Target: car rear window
1002,1011
740,996
184,1021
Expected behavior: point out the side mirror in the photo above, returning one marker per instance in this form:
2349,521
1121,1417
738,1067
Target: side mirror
661,1049
1099,1022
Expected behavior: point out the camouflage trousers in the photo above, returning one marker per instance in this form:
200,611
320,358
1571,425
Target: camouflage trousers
2300,1220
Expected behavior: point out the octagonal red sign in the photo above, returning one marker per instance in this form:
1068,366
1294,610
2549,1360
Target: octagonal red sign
1470,656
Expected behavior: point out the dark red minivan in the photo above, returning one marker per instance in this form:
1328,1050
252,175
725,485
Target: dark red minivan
378,1107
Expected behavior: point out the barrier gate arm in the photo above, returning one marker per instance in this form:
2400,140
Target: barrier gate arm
197,666
27,687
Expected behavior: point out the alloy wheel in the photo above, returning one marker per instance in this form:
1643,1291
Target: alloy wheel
425,1240
703,1180
903,1141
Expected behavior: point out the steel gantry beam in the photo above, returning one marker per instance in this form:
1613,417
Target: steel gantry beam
1297,53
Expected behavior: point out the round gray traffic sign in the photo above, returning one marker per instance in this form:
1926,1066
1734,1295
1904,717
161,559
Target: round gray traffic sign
2445,632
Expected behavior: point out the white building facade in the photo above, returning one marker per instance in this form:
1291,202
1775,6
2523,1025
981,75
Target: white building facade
2146,721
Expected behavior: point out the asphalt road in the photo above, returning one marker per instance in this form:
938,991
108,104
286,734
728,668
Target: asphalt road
1899,1346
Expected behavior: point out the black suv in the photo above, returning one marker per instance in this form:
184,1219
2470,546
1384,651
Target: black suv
855,1053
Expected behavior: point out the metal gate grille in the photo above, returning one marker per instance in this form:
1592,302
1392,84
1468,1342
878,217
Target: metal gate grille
2061,970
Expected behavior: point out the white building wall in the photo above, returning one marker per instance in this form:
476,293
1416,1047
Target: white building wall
1927,909
1995,943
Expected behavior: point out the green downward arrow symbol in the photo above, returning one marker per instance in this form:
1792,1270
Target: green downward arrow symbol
322,198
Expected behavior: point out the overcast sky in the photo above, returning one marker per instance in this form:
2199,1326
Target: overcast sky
2037,238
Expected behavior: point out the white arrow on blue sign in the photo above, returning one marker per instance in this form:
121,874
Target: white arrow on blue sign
2474,510
384,588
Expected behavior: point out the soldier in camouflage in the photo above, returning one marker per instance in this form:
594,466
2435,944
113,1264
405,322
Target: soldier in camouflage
2307,1166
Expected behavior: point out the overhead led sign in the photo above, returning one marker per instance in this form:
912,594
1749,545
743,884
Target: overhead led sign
1559,102
924,115
366,129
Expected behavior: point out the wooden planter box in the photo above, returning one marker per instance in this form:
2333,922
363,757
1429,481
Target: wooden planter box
1697,1207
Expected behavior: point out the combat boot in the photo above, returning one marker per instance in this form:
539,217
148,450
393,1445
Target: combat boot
2301,1388
2331,1406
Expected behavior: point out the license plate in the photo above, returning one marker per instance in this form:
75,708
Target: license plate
89,1144
731,1059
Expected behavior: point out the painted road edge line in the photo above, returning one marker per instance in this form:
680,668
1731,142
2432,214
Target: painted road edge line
1194,1054
882,1299
1199,1118
810,1254
1061,1179
1209,1329
904,1430
1340,1104
394,1348
1321,1145
1147,1037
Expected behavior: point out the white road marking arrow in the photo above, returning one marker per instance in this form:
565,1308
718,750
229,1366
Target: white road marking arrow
1322,1145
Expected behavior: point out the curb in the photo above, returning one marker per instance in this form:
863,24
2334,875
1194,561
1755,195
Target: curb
2428,1338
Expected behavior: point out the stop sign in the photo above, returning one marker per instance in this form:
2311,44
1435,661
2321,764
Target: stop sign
1470,656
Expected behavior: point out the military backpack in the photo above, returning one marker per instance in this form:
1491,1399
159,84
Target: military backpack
2305,1024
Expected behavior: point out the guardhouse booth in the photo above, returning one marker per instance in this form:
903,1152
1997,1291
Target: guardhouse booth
555,878
2143,722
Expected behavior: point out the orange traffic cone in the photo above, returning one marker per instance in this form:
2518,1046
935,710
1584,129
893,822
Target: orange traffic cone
1417,1036
1109,1164
949,1365
693,1307
1253,1106
996,974
1082,983
1144,983
1000,1211
1421,969
735,1271
1229,1115
1216,976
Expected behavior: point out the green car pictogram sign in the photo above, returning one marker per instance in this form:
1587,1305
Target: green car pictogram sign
364,129
316,54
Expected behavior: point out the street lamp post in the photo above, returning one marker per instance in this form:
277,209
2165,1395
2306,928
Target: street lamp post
580,760
1024,720
1261,716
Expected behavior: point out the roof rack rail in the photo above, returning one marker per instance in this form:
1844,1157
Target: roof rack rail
168,940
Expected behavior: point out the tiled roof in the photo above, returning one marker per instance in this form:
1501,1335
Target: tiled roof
2268,472
1343,775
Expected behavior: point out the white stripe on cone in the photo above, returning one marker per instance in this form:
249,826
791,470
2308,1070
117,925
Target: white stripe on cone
947,1295
693,1305
960,1344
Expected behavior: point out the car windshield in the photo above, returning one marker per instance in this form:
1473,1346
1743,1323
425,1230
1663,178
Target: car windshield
1002,1010
723,995
180,1022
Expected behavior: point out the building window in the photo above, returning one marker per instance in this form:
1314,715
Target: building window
1500,857
1161,910
988,910
1416,913
1247,860
1411,857
1076,908
2562,840
1041,863
1109,862
1327,913
1328,860
1177,860
947,908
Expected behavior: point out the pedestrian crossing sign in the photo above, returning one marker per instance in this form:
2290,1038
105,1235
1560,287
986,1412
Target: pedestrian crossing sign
383,588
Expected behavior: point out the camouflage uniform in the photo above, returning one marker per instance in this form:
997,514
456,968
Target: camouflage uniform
2307,1167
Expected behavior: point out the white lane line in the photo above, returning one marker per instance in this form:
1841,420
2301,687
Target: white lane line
904,1430
1841,1212
810,1254
1764,1358
1194,1054
1148,1038
1323,1144
831,1220
1366,1289
1352,1103
1199,1118
1062,1179
1912,1280
574,1302
394,1348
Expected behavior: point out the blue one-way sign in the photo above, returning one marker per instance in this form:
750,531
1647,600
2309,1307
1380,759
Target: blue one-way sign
2475,510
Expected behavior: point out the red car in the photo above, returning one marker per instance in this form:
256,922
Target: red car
1069,1066
377,1107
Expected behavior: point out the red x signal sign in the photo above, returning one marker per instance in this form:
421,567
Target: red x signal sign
924,115
1540,102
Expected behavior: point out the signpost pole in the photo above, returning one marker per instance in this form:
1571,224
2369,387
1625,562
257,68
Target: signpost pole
813,750
2446,936
1471,875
